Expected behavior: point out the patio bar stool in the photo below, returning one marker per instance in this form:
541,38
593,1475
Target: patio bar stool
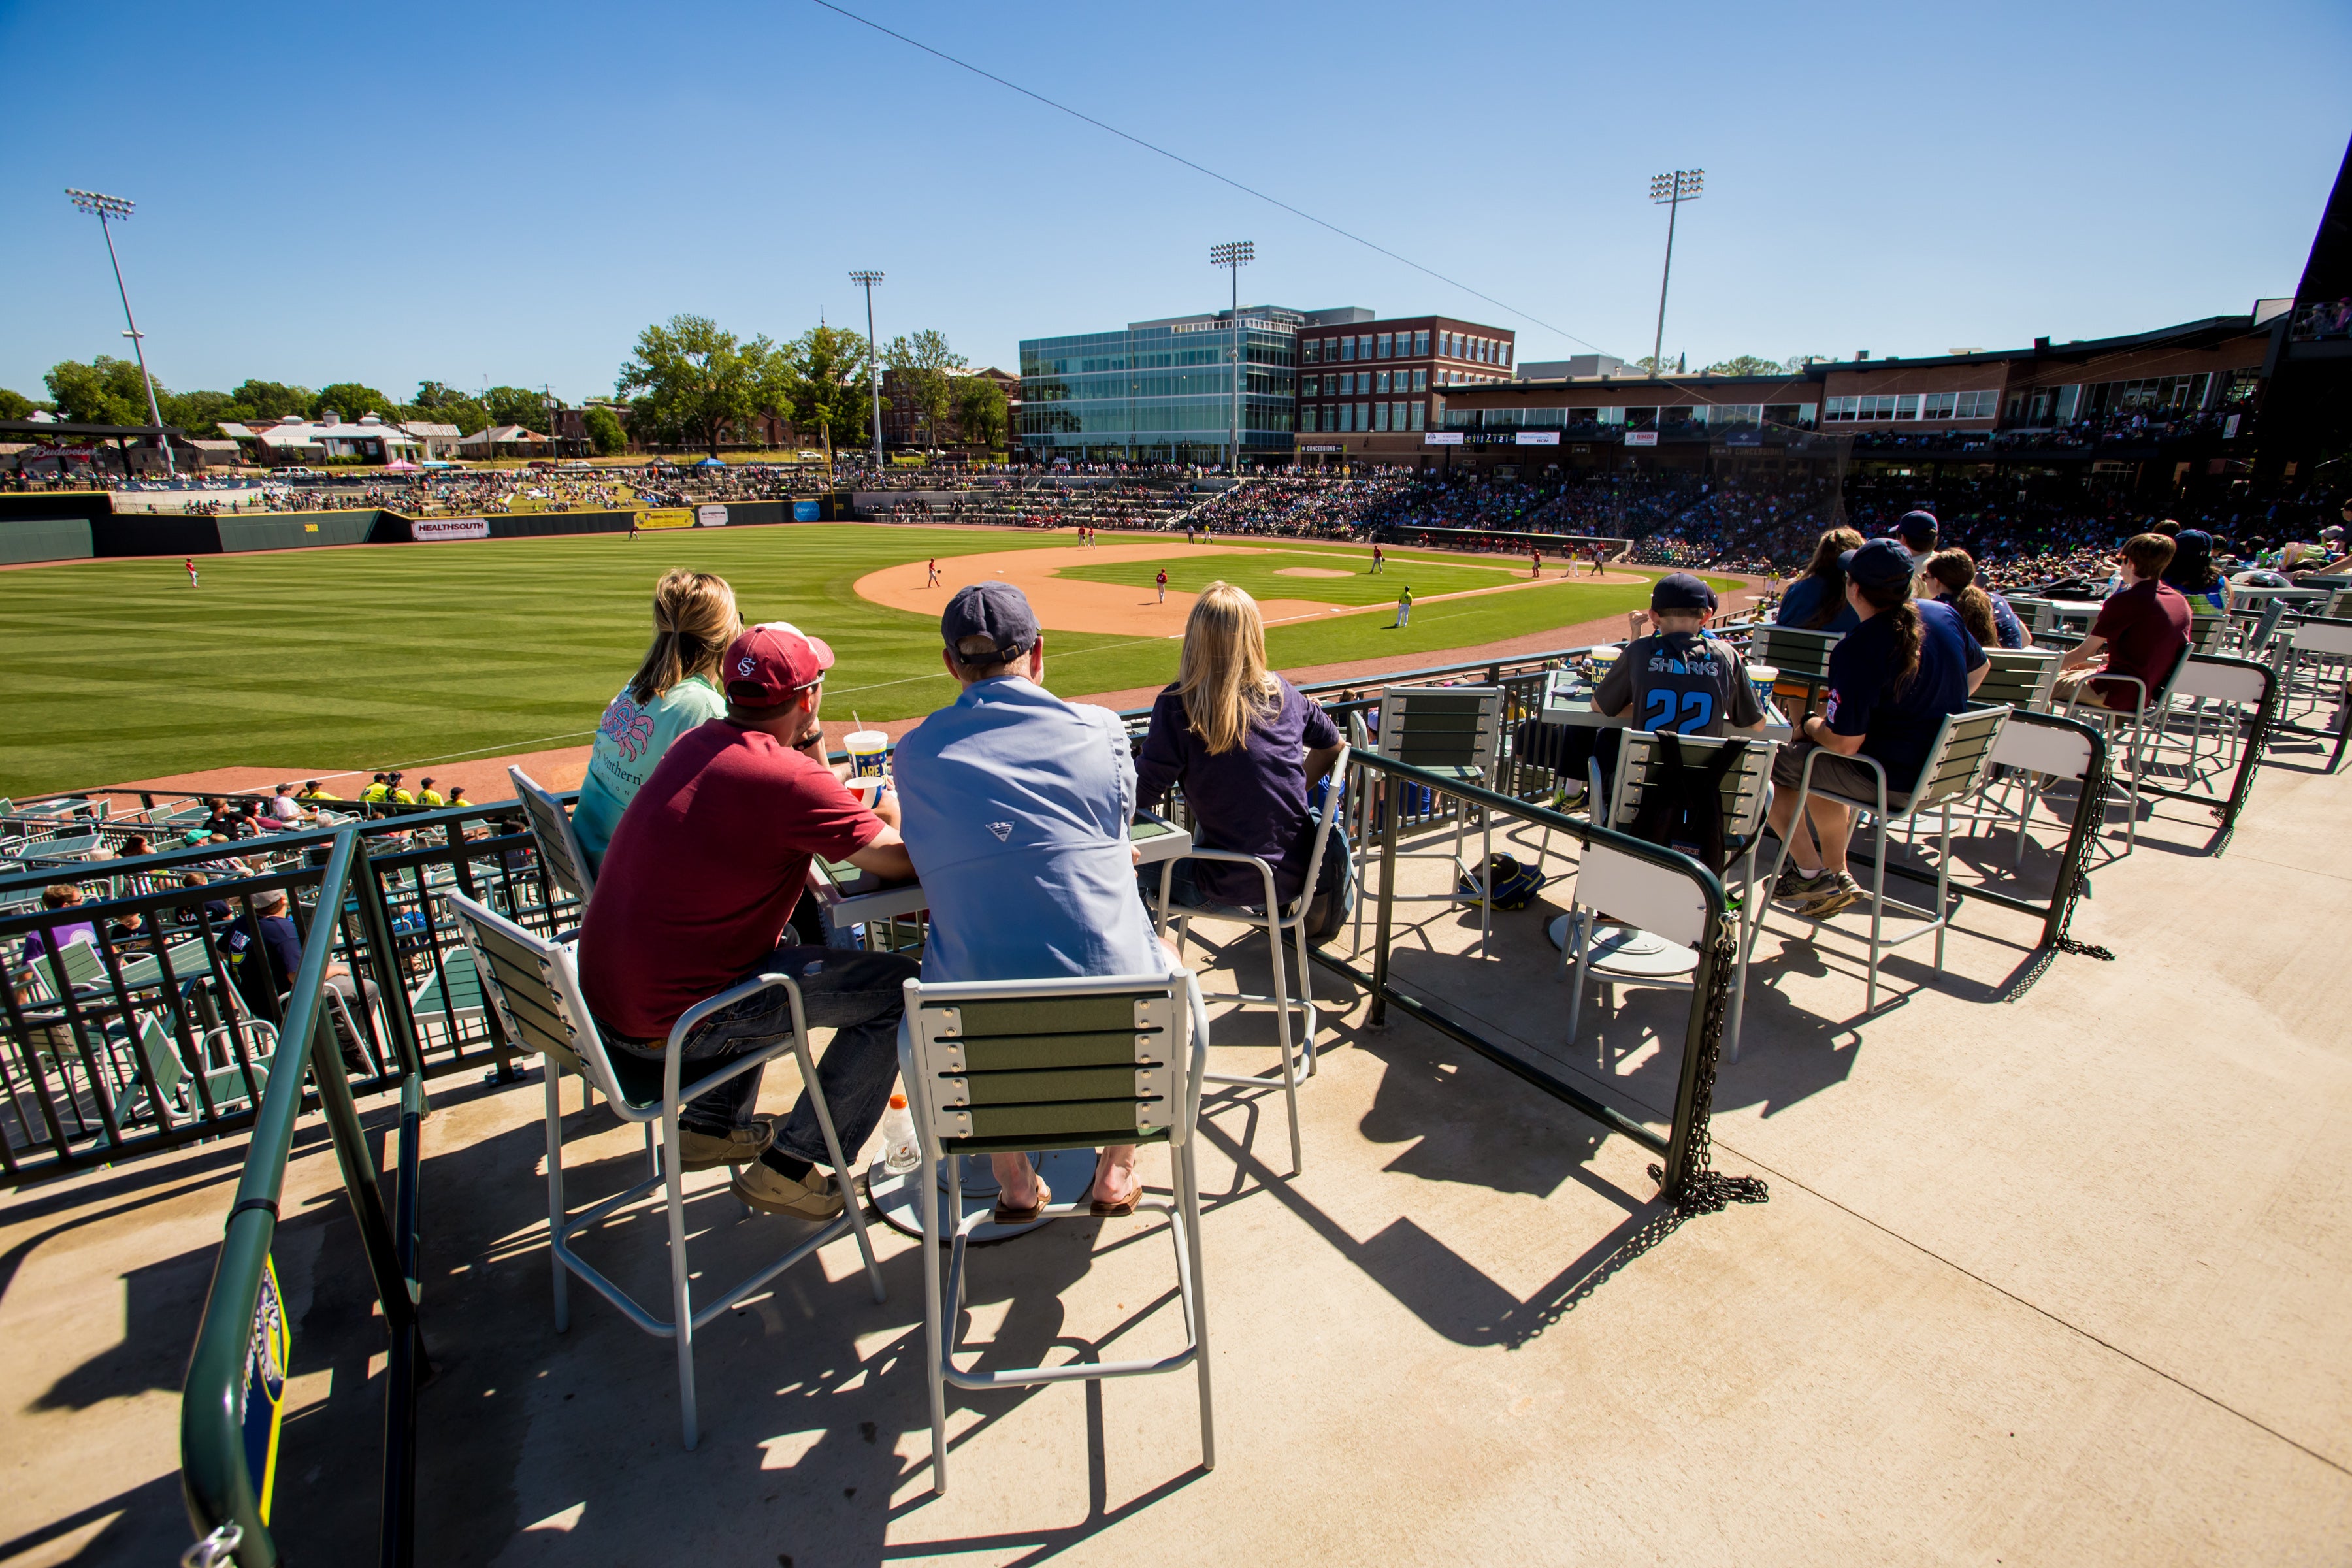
1021,1066
535,984
1277,920
1455,732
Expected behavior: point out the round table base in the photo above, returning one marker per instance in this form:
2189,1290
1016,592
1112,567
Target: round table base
1630,954
1068,1171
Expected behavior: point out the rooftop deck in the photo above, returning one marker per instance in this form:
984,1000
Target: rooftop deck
2062,1279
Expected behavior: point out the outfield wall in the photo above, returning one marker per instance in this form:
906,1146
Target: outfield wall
30,539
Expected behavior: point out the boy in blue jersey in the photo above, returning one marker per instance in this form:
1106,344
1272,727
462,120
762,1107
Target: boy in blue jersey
1678,677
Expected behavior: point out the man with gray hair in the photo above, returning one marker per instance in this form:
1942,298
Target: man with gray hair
1016,806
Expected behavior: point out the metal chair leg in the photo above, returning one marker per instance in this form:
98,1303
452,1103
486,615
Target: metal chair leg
1877,912
1290,1074
842,1175
1188,1202
935,1362
555,1215
680,1287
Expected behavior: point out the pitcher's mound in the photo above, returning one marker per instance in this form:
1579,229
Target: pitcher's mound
1310,572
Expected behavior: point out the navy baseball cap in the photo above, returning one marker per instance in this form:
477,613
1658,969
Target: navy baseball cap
1878,562
1917,528
1681,591
997,611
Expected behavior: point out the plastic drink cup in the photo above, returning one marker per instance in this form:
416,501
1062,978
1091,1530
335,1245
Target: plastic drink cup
1761,677
868,748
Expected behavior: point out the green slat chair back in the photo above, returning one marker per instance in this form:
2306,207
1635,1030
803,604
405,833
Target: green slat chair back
2039,615
551,829
1458,728
2020,677
1042,1071
1743,788
1962,757
1794,651
2339,606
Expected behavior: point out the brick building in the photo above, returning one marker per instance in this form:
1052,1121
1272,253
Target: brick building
1367,385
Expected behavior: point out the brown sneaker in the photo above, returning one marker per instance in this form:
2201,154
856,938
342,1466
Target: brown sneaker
764,1187
700,1151
1842,892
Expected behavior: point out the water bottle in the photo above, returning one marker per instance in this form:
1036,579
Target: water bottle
899,1151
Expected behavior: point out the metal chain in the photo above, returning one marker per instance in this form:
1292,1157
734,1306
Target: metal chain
1706,1190
2078,879
215,1550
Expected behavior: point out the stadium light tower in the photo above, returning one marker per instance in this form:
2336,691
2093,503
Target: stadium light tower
1233,258
106,209
1671,190
867,280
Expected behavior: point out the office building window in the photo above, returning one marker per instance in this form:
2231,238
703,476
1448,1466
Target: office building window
1421,381
1380,381
1420,348
1364,346
1306,420
1418,409
1387,344
1445,344
1313,351
1346,347
1307,385
1505,358
1379,416
1363,415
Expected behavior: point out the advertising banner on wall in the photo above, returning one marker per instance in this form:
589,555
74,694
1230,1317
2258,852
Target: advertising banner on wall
1442,438
666,516
1538,438
711,517
1641,437
807,511
450,527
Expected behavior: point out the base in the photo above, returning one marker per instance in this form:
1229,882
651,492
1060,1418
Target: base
898,1198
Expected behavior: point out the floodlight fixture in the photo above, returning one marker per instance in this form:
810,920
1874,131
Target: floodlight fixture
866,280
1233,257
1670,191
107,210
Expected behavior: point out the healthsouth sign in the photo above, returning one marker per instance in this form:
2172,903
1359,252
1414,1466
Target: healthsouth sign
1641,437
711,517
451,527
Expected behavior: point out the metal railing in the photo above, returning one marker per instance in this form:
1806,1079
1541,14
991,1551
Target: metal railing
231,1407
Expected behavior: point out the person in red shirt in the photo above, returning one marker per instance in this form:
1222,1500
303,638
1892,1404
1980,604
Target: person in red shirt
2142,629
696,895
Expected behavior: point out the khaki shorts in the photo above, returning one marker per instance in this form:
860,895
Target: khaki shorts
1835,775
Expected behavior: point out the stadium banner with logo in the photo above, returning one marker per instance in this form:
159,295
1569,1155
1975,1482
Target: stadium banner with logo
1538,438
449,528
667,517
1641,437
262,1399
711,517
1441,439
808,511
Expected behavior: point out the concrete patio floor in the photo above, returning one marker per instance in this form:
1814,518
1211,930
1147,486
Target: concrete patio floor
2061,1279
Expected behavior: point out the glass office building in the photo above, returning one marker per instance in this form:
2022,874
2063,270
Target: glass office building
1162,392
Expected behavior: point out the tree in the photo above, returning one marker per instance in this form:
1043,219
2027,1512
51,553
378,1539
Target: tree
1795,364
271,400
15,405
1649,366
351,399
926,368
981,412
829,382
107,391
441,404
517,406
1743,364
201,413
693,382
604,432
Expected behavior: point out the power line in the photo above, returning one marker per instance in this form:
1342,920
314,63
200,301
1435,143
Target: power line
1202,169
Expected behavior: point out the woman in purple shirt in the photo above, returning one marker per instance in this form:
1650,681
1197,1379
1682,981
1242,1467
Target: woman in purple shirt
1246,745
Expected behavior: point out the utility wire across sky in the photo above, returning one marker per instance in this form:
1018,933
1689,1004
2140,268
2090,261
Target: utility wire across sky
1202,169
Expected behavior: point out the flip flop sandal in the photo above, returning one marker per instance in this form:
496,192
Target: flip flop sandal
1000,1214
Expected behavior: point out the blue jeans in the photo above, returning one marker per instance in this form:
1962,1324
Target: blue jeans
856,995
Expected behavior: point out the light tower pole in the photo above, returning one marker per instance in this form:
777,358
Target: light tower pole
1671,190
1233,258
105,209
873,363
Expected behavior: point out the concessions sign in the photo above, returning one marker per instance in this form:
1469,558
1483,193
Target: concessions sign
711,517
450,527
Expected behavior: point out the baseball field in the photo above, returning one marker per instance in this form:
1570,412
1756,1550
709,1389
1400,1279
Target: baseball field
318,661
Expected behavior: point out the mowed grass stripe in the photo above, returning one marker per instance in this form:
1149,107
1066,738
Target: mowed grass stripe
367,657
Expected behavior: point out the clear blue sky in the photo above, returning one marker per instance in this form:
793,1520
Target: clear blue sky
385,194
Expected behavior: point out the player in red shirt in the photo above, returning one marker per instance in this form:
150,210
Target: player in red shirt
695,897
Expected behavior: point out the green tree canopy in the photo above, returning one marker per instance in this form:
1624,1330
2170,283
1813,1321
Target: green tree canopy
981,412
604,432
829,383
524,405
925,366
442,404
107,391
1743,364
692,380
267,400
201,413
15,405
351,399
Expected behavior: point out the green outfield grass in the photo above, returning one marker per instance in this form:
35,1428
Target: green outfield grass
1261,575
373,658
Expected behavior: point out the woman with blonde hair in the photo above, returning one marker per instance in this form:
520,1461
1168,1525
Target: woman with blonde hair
675,689
1246,745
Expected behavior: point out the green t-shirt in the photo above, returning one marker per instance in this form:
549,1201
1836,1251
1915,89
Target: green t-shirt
629,741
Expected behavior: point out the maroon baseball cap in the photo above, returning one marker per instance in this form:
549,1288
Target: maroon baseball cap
771,662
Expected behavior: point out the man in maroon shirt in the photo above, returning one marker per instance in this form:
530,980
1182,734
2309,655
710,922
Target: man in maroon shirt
694,895
2141,628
